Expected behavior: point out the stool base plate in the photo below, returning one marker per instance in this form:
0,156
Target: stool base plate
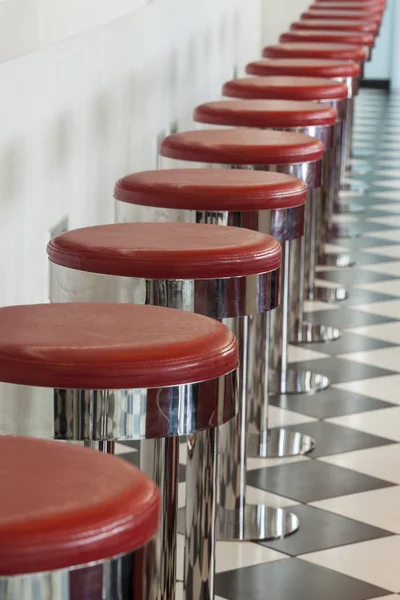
298,382
314,333
342,231
254,522
327,294
353,186
331,259
278,443
341,208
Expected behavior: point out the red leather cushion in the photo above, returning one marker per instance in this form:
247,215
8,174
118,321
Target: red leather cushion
211,189
341,14
285,87
309,67
111,346
62,506
265,113
314,50
166,250
336,25
356,38
242,147
369,7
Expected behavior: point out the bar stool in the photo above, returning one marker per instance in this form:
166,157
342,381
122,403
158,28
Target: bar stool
330,51
301,89
272,203
340,70
275,151
74,524
98,373
222,272
336,25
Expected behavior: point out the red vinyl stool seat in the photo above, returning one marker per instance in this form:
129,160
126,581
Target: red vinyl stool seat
315,50
305,67
242,147
325,13
265,113
119,372
366,6
285,87
356,38
63,507
351,25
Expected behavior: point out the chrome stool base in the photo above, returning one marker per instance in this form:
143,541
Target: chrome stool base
342,208
316,333
278,443
331,259
342,231
298,382
353,186
328,294
254,522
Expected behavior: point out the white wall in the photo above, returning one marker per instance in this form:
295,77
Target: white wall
278,15
381,64
80,113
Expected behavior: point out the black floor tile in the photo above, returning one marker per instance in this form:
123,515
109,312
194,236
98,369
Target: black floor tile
320,530
292,579
340,370
329,403
348,342
353,276
312,480
345,318
336,439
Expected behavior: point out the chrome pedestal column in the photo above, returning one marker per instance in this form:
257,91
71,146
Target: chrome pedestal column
98,418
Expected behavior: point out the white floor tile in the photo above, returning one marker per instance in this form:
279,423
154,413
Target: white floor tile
279,417
326,284
385,268
392,235
384,422
391,220
390,308
382,462
257,496
121,449
233,555
388,332
392,195
389,163
364,507
392,287
298,353
385,358
382,388
375,562
312,306
389,172
392,183
389,251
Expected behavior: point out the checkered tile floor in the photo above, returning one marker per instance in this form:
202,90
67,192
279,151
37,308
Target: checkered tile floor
346,493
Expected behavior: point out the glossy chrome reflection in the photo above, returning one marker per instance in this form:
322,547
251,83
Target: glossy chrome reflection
128,577
299,382
216,298
314,333
279,443
334,259
255,522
